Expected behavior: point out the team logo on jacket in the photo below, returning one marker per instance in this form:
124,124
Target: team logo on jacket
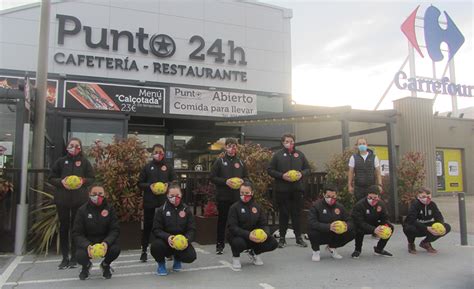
254,210
164,168
379,209
237,165
337,211
242,211
296,155
182,214
168,214
104,213
78,163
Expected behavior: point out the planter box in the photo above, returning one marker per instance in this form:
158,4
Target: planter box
304,221
130,235
206,230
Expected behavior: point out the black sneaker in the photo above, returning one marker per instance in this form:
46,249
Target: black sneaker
143,257
382,253
106,270
85,271
64,264
219,249
281,243
355,255
72,263
300,242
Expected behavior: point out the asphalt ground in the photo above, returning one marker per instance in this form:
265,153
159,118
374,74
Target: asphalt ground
290,267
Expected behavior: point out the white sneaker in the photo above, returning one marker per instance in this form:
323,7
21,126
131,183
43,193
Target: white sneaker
236,263
257,260
334,253
316,256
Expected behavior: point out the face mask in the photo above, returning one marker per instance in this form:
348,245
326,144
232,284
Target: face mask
425,200
289,146
330,201
231,151
97,200
73,151
363,148
372,202
175,201
158,156
246,198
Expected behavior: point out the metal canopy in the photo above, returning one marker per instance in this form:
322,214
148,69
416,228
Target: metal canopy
314,115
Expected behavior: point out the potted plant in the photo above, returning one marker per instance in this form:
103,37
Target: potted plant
411,175
117,166
206,222
337,168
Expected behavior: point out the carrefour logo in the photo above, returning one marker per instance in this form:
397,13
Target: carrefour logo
434,33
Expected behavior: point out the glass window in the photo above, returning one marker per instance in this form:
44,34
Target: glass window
90,130
7,134
269,104
149,139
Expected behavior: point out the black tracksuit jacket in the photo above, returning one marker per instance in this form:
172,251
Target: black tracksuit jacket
225,168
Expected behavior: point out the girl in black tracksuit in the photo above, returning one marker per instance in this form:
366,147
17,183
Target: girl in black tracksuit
245,216
96,222
368,214
69,200
157,170
422,214
289,195
223,169
171,219
321,216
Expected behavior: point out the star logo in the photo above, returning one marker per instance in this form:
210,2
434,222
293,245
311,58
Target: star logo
162,45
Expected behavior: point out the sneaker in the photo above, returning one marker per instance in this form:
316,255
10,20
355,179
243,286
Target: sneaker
355,255
143,257
411,248
161,270
257,260
106,270
236,263
316,256
251,255
72,263
282,242
334,253
427,246
177,265
300,242
85,271
64,264
382,252
219,249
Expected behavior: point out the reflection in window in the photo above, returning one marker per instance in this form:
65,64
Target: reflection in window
90,130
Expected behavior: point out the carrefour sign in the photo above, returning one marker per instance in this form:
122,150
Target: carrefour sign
443,86
160,47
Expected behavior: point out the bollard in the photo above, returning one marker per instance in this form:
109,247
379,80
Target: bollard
462,218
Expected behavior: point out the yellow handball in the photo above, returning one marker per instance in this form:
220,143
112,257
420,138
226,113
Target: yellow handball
98,251
73,182
293,175
341,227
439,228
180,242
236,183
385,233
260,235
158,188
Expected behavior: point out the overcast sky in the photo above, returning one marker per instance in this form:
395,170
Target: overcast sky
347,52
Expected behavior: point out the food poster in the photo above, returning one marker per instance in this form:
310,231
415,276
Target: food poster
12,82
114,97
382,153
449,170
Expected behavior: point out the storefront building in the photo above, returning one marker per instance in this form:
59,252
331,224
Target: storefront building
166,71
